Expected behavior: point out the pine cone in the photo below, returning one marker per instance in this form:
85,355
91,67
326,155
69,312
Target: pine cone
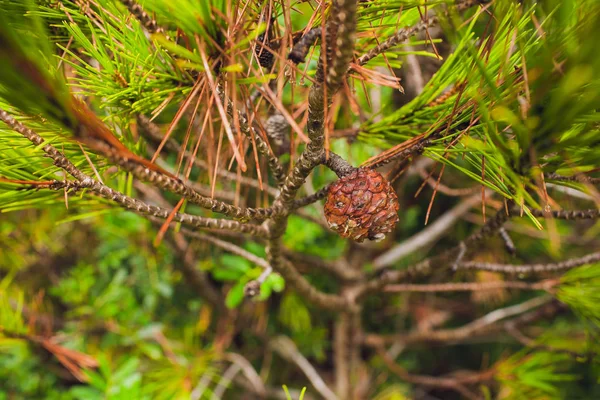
362,205
265,57
278,132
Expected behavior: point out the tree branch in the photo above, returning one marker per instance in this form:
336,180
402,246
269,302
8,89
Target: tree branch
407,32
453,383
300,284
565,214
287,349
252,134
487,323
469,286
137,206
152,132
440,261
427,236
193,275
138,12
533,268
575,178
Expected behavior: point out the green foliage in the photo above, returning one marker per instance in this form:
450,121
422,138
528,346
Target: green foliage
28,69
549,118
525,102
11,310
238,270
535,376
580,289
288,396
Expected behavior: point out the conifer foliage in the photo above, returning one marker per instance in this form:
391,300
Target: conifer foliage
339,199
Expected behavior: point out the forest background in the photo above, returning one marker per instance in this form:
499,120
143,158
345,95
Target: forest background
183,217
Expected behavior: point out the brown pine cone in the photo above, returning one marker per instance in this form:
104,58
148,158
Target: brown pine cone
264,56
362,205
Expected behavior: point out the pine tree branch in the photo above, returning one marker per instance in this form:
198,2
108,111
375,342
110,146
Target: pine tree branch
169,183
293,278
327,83
301,48
533,268
564,214
453,383
137,206
427,236
469,286
320,95
574,178
405,33
193,275
288,350
313,198
227,246
439,262
493,321
406,151
153,134
337,268
138,12
253,135
337,164
248,371
453,255
177,186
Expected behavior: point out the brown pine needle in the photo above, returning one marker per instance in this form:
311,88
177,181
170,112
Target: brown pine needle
165,227
434,193
198,86
220,107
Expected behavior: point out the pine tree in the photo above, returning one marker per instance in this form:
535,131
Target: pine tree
379,199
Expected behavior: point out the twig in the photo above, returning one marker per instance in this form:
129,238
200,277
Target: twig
569,191
454,383
319,99
341,362
337,164
487,323
252,288
427,236
287,349
566,214
225,381
248,371
469,286
327,83
337,268
230,247
407,32
137,206
304,201
252,134
302,286
193,276
514,331
575,178
301,48
152,132
439,261
508,243
533,268
179,187
138,12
